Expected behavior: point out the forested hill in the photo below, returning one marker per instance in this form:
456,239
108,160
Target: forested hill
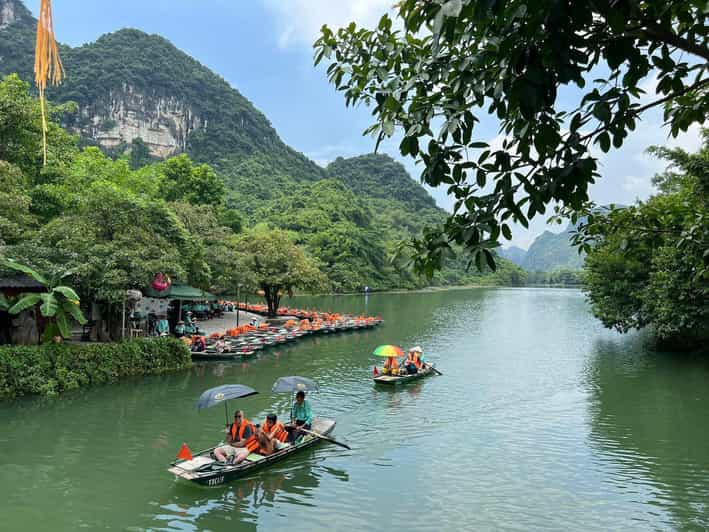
129,84
381,176
549,252
139,94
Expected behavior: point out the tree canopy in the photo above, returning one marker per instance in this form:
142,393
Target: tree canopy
277,266
437,68
648,264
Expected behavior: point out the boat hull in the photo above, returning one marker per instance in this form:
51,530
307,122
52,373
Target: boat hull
393,380
211,474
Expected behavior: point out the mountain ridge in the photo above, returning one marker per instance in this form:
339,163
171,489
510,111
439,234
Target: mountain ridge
133,86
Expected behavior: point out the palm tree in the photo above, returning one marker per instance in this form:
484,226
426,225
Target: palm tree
59,304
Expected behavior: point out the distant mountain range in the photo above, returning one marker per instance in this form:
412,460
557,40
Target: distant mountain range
135,89
548,252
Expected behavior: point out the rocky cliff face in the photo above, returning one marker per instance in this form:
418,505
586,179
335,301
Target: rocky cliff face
163,123
7,14
128,84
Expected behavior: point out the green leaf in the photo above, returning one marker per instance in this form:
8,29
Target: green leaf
506,232
63,325
25,269
490,260
50,331
479,261
74,311
66,292
604,141
602,112
26,301
49,306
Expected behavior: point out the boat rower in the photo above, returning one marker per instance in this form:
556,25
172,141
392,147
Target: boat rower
302,416
418,357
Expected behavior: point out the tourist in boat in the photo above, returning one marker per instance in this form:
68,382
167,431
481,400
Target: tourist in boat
198,344
266,443
391,366
274,428
241,440
268,436
180,329
419,360
411,364
302,415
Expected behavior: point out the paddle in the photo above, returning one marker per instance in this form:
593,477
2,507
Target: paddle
434,369
323,437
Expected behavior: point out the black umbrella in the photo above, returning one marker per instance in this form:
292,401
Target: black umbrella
294,383
223,393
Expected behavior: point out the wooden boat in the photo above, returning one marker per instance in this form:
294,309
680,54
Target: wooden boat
215,355
401,379
206,471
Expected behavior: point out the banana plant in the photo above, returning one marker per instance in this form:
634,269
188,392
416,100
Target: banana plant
58,305
5,303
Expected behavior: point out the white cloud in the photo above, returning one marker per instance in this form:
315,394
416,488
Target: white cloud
299,21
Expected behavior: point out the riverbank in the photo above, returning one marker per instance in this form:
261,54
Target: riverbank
54,368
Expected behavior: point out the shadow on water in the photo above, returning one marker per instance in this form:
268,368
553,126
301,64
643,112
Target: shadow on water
649,422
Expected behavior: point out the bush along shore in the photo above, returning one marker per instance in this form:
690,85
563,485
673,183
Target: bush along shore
54,368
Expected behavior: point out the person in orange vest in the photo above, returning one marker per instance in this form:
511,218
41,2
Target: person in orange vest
412,363
274,428
271,436
418,357
391,366
241,440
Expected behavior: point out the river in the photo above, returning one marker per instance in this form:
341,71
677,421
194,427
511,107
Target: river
542,420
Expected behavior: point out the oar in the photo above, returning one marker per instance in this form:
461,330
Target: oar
323,437
434,369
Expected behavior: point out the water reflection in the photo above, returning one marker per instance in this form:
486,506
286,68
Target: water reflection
649,424
242,502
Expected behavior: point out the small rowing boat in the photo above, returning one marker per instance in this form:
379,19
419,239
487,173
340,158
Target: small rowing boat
204,470
401,379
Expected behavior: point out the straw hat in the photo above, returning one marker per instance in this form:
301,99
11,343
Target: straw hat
416,349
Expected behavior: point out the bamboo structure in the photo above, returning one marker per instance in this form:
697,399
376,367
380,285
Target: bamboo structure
47,64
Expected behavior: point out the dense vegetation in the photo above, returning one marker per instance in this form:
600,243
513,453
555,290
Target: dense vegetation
432,70
113,227
648,264
349,216
557,277
54,368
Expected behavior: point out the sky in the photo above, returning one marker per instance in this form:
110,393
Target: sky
263,48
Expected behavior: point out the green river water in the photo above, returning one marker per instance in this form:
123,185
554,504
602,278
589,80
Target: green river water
542,420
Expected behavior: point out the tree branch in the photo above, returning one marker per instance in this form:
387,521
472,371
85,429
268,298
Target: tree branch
640,110
698,85
653,32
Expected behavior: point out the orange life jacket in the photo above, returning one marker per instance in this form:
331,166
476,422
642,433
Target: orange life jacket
278,431
413,358
237,434
391,363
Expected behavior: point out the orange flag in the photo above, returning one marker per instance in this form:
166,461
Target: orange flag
185,452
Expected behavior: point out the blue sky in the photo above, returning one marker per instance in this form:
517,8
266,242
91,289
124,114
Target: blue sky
263,48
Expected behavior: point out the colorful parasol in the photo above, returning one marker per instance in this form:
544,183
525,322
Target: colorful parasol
388,351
